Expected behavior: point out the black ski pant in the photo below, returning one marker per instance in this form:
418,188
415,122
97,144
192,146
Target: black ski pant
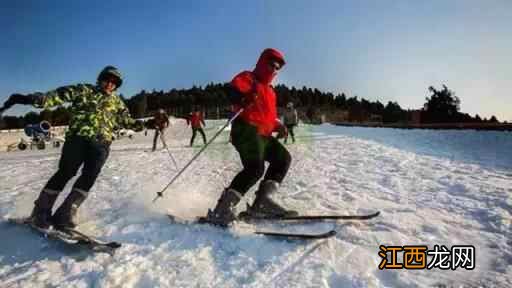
78,151
290,132
194,132
254,151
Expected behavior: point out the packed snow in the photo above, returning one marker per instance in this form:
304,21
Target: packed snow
432,187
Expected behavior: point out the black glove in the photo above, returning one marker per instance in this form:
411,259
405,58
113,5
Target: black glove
29,99
13,99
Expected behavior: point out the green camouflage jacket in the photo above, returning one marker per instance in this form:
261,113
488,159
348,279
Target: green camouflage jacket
94,114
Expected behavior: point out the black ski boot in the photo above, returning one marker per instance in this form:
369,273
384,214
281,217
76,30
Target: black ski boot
264,206
66,217
223,213
42,212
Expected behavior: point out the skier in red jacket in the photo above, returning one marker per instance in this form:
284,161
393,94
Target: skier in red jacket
196,121
252,137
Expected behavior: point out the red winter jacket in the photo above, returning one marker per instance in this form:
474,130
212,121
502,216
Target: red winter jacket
195,119
262,113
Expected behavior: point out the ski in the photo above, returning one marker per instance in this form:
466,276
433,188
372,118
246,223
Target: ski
324,235
99,245
277,234
70,236
310,217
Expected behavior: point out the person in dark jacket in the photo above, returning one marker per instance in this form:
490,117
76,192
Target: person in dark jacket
96,112
161,122
252,137
291,119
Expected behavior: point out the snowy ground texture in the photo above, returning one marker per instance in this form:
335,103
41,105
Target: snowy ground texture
433,187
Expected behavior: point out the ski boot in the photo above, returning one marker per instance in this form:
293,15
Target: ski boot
42,212
66,217
223,213
264,206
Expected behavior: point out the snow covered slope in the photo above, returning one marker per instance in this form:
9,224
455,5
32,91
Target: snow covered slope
433,187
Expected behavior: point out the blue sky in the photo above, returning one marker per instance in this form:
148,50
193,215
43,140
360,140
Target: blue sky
379,50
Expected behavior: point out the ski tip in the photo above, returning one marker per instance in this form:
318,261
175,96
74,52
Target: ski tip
293,236
367,217
202,220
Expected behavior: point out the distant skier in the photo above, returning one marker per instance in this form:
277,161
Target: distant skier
96,112
291,119
161,122
310,114
196,121
252,137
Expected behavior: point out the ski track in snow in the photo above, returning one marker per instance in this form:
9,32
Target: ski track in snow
424,198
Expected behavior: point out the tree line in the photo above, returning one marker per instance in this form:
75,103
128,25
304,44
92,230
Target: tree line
442,106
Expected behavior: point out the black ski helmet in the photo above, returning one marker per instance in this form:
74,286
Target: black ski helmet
111,71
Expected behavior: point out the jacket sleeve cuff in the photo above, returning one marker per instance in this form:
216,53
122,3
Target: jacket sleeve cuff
37,99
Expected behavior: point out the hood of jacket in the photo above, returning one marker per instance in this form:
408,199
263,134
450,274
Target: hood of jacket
264,73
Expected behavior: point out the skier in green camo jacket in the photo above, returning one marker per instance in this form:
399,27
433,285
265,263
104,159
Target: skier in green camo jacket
96,112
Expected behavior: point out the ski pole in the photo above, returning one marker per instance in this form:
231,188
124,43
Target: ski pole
161,193
168,151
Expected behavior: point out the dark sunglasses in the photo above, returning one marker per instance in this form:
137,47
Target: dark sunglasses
110,79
